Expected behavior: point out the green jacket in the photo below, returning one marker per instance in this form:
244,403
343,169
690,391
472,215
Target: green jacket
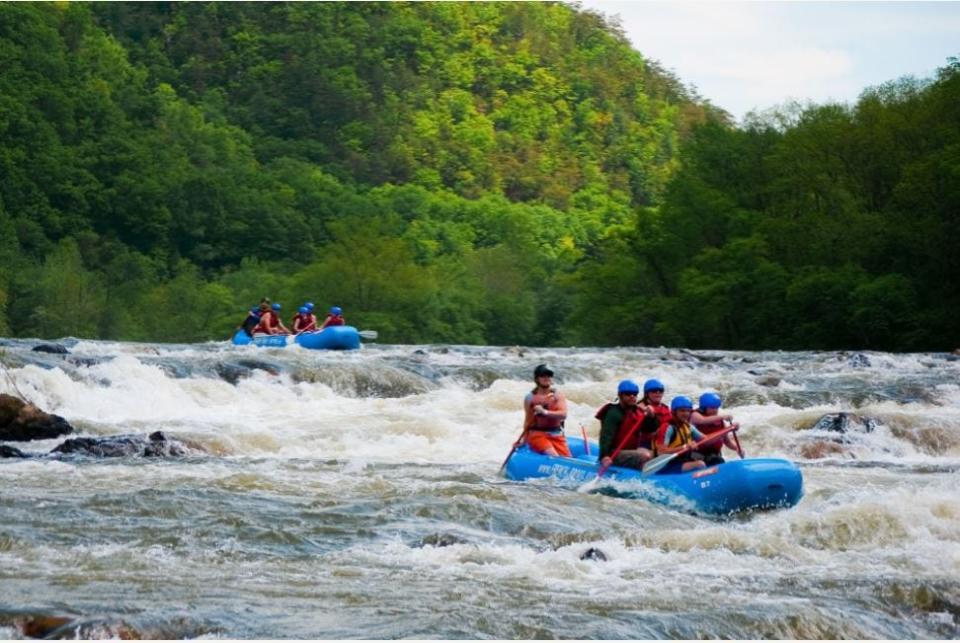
610,416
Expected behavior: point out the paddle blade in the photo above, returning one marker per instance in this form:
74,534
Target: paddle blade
658,463
589,485
368,334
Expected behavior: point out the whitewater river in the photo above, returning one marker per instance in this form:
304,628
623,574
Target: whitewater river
348,495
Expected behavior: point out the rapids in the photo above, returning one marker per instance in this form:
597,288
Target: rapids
357,495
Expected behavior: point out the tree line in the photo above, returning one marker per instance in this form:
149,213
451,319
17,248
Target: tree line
502,173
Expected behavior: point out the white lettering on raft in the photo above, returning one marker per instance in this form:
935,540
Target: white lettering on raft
563,471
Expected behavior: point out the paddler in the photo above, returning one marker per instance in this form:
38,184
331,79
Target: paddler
545,410
678,434
708,419
625,437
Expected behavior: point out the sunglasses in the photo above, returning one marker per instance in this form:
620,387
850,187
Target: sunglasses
655,390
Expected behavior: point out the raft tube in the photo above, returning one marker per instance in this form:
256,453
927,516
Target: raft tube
330,338
735,486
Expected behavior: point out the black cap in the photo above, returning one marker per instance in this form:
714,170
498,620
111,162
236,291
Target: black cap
542,369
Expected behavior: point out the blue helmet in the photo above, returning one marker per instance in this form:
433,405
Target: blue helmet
653,385
681,402
336,310
309,306
629,387
710,400
276,306
303,310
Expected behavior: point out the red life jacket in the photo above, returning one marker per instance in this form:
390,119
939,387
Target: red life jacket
663,413
708,429
335,320
549,402
268,322
632,417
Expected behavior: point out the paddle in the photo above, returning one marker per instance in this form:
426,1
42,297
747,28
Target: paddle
661,461
516,445
368,334
590,484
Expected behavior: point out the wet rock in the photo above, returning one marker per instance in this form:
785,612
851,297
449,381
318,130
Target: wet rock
822,449
155,445
514,350
22,421
11,452
56,349
844,422
593,554
255,364
63,627
440,540
702,358
231,373
768,380
858,360
85,361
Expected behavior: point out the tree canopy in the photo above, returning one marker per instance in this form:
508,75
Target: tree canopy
453,172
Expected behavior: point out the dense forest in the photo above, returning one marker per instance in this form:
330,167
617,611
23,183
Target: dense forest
497,173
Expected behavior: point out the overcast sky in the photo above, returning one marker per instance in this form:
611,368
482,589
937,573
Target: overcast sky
755,55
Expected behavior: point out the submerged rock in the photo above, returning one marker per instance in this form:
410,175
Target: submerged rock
56,349
858,360
843,422
57,627
822,449
593,554
440,540
11,452
155,445
22,421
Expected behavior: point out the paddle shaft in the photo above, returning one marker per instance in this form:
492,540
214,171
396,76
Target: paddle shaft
603,467
661,461
516,445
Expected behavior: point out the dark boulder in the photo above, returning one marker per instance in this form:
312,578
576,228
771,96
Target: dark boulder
594,554
56,349
11,452
21,421
155,445
844,422
858,360
440,540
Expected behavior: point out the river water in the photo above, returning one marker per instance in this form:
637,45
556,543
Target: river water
349,495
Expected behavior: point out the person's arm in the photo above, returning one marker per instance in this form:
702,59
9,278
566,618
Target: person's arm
527,412
325,323
698,419
311,325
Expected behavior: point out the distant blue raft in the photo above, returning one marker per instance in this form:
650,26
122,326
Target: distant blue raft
331,338
735,486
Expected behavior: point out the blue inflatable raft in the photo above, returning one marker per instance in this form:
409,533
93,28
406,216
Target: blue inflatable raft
735,486
331,338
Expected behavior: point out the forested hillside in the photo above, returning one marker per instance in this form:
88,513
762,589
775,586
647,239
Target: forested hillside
452,172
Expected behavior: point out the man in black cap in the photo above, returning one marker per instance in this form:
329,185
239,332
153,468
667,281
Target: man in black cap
545,410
